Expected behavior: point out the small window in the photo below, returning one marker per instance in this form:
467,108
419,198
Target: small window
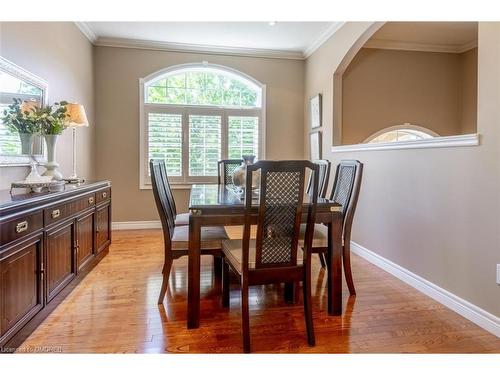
165,140
243,136
401,133
204,144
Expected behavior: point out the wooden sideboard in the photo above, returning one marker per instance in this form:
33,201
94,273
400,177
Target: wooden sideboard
48,243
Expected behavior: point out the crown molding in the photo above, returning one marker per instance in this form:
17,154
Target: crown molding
421,47
209,49
322,39
267,53
198,48
87,31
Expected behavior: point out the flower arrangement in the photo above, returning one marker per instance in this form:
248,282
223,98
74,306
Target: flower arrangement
52,119
24,117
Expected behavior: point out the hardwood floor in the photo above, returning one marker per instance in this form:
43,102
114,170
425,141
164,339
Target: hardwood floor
114,310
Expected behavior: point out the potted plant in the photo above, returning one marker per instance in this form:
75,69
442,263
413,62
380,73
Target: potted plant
52,122
20,117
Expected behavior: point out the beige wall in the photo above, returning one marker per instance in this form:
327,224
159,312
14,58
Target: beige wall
383,88
468,92
59,53
117,102
432,211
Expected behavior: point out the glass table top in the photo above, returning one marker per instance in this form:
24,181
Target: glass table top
214,195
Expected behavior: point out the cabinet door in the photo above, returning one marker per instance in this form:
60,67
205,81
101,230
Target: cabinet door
21,291
84,239
103,227
60,253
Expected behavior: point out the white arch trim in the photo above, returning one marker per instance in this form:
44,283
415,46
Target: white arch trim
205,66
405,126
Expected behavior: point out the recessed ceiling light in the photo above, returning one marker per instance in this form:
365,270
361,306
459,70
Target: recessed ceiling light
272,23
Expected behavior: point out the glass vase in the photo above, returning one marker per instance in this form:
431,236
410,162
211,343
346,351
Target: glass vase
26,143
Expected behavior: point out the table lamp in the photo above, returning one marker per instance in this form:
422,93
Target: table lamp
76,118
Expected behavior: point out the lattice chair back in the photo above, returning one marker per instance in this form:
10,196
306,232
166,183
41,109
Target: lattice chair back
347,178
280,210
324,176
226,169
163,199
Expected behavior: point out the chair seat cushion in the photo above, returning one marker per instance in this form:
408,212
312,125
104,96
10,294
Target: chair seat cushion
233,251
182,219
235,232
211,237
320,238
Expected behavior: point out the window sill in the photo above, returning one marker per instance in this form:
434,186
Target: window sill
174,186
183,186
451,141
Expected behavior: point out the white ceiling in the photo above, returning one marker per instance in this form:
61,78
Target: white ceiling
292,39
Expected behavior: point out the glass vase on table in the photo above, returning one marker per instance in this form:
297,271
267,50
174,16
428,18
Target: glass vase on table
240,173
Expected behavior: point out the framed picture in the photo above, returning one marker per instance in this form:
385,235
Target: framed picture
316,115
315,145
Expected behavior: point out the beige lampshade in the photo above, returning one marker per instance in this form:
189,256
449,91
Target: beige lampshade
28,105
76,115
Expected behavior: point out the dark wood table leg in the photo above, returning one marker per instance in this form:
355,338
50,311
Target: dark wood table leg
291,290
335,265
193,310
218,265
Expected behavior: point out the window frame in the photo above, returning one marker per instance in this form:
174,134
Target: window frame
403,127
185,181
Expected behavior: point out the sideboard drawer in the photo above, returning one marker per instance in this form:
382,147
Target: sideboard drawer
103,195
59,212
85,202
15,228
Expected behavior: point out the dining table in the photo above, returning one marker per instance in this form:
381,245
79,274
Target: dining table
223,205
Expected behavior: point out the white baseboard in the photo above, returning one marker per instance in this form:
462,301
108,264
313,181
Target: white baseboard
129,225
482,318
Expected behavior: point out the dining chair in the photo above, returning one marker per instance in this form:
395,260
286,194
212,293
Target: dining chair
345,191
180,219
272,257
225,169
176,238
324,177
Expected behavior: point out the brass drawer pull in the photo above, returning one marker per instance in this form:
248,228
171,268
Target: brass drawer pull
55,214
91,200
22,227
104,195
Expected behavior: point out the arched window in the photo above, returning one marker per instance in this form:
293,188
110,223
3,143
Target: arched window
196,114
401,133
